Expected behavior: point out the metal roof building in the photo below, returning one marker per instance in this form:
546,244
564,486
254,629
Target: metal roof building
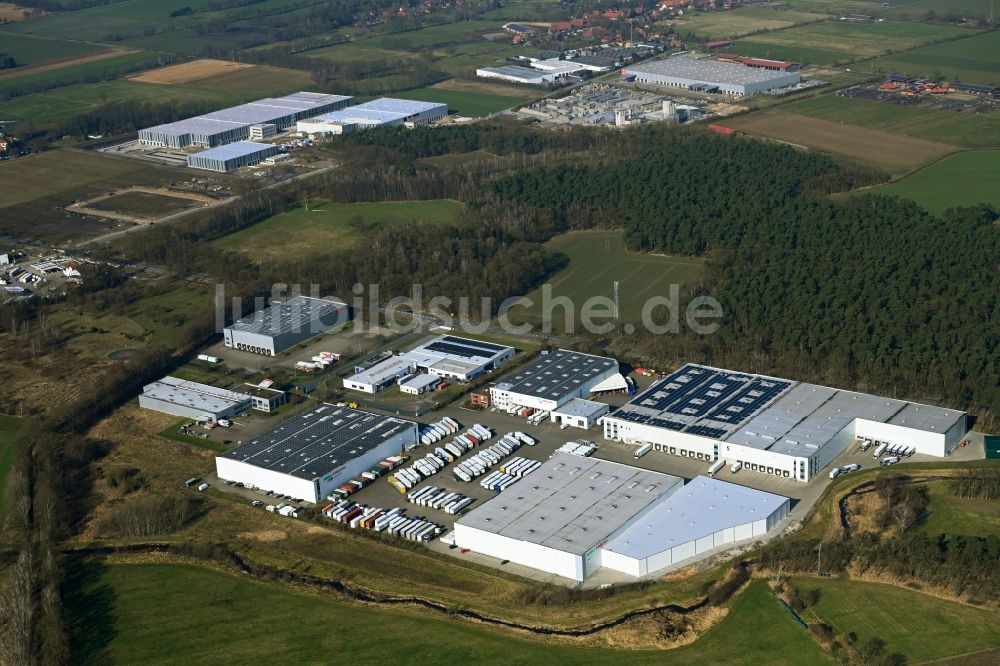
580,413
385,111
283,325
771,425
233,124
553,380
704,75
704,515
309,455
232,156
444,356
517,74
192,400
556,518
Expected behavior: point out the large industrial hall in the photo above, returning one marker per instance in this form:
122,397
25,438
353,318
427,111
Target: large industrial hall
774,426
283,325
710,76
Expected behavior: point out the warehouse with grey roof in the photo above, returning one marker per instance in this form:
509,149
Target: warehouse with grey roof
309,455
283,325
232,156
192,400
709,76
554,379
233,124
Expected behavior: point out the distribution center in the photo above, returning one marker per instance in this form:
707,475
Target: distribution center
383,112
233,124
309,455
774,426
284,325
192,400
232,156
705,75
574,515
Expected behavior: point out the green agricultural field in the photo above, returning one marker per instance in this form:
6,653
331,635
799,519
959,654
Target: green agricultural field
465,103
741,21
94,68
8,431
58,171
596,260
962,179
29,51
134,614
922,627
959,516
965,130
975,59
844,42
327,225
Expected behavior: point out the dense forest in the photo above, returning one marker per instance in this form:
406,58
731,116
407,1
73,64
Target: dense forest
876,289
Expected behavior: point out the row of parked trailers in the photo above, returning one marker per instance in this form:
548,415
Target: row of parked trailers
392,521
440,498
509,473
435,432
477,465
422,468
354,485
885,448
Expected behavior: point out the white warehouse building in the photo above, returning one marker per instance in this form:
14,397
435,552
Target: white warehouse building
705,75
192,400
309,455
773,426
554,379
383,112
283,325
574,515
444,356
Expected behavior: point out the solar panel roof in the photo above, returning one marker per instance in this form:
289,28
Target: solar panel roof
558,373
703,400
294,315
571,503
312,444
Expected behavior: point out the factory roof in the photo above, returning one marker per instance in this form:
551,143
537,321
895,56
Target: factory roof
515,71
252,113
558,373
582,408
316,442
393,105
571,503
705,71
380,111
390,368
455,354
294,315
701,508
701,400
421,381
235,149
192,394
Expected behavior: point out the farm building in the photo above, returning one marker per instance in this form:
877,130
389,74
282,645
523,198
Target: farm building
711,76
192,400
233,124
445,356
232,156
554,379
580,413
309,455
704,515
382,112
574,515
284,325
773,426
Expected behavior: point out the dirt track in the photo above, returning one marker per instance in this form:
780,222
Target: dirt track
85,206
186,72
59,64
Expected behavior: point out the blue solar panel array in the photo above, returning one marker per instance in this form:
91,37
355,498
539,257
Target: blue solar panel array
702,399
449,344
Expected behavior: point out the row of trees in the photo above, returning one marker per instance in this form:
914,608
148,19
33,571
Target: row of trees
977,484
